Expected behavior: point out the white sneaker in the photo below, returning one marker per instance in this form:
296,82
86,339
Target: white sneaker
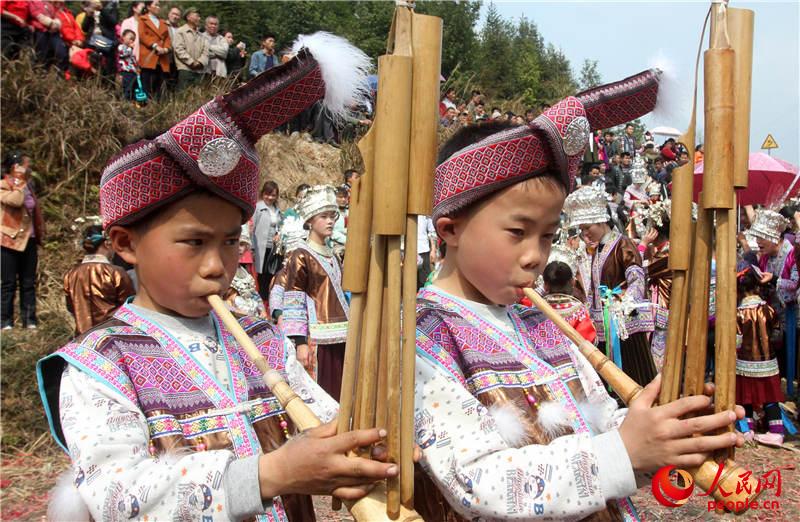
32,327
8,327
770,439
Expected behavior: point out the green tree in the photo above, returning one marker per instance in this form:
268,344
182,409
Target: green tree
589,75
459,40
527,60
496,45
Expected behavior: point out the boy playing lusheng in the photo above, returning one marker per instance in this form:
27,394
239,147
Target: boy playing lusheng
513,422
162,413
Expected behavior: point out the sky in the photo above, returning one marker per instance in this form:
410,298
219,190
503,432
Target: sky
629,37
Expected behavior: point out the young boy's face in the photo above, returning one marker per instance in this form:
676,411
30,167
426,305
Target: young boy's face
322,224
189,251
503,244
129,38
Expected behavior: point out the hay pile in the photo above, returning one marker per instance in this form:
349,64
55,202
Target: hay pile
70,129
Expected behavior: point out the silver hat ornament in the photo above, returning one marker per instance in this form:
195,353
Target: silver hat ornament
586,206
318,199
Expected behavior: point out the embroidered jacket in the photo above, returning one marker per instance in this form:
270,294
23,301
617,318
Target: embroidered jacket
617,262
152,432
314,305
467,368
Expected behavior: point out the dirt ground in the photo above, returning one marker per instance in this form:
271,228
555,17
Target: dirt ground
28,475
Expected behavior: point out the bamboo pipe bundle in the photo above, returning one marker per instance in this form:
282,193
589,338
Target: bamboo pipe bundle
399,152
740,31
628,390
694,375
369,508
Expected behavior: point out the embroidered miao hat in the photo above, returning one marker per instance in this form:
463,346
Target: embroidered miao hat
318,199
639,170
555,140
213,149
768,225
586,206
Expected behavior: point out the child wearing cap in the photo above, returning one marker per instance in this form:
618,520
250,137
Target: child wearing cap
314,308
162,413
513,422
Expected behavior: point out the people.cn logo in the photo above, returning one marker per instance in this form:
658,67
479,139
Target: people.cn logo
668,493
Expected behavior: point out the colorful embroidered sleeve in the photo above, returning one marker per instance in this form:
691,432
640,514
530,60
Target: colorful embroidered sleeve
295,298
481,476
107,437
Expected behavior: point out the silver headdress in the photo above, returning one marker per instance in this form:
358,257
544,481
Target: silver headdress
561,252
586,206
639,170
768,225
318,199
292,233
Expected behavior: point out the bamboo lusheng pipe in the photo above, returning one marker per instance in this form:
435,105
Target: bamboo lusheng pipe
628,390
393,132
426,43
368,357
409,349
393,365
740,32
695,367
368,509
356,263
718,108
676,337
725,328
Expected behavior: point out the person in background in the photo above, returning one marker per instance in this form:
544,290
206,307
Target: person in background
154,49
474,100
71,33
95,288
266,223
758,379
339,236
131,23
559,287
448,101
426,249
265,58
50,48
217,49
173,23
242,297
191,51
128,68
350,175
22,233
15,27
100,27
237,56
698,153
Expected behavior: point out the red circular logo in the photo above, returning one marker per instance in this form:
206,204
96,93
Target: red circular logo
666,492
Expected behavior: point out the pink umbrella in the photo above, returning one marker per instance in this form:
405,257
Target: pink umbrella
766,173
